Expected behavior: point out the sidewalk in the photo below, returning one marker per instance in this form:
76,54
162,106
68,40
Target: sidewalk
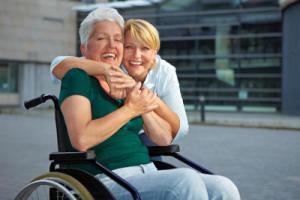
239,119
261,120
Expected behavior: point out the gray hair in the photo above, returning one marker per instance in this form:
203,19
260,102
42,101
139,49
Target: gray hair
98,15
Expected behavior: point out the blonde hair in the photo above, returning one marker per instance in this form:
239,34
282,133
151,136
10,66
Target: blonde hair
144,32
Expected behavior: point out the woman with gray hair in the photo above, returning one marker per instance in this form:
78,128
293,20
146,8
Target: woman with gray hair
97,120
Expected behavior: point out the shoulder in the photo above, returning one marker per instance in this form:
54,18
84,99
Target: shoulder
162,70
77,78
76,74
163,66
75,82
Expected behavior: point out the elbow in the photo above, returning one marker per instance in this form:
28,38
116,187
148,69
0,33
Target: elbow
79,146
165,141
185,129
182,132
80,143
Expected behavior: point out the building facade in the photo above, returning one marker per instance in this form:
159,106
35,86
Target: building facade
291,57
32,33
227,52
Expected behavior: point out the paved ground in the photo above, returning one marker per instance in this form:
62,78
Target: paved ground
264,163
262,120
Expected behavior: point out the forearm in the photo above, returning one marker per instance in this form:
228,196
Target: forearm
157,129
85,132
91,67
169,116
101,129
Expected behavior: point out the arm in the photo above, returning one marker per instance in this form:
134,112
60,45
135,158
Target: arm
169,116
85,132
117,80
157,129
93,68
171,104
173,100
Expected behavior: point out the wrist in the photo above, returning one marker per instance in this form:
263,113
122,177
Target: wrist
147,114
130,111
103,69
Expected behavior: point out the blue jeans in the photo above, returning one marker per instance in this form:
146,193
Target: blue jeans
172,184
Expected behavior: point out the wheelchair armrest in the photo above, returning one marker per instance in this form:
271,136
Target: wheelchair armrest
163,150
73,156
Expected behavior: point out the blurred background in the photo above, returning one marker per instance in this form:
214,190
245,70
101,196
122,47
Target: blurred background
230,55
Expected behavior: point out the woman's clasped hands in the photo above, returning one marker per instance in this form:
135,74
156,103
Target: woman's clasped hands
141,100
119,82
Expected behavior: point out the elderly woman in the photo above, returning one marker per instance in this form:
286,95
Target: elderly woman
96,120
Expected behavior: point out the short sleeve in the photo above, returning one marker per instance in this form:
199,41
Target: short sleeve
172,97
75,82
53,64
169,92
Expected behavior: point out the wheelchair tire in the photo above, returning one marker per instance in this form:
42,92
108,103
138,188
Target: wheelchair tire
68,188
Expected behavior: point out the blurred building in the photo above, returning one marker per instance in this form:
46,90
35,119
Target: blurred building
227,51
32,33
291,57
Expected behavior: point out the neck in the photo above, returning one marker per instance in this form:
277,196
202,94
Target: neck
103,84
142,78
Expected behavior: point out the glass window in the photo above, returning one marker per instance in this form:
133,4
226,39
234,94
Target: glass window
8,78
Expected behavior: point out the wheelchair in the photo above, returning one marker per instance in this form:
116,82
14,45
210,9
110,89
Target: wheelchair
65,183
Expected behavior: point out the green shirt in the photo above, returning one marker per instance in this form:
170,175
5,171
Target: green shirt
122,149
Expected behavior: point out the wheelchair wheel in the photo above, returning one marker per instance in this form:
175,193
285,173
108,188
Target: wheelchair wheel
54,185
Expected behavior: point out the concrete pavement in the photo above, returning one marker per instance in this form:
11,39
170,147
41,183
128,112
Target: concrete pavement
259,120
264,163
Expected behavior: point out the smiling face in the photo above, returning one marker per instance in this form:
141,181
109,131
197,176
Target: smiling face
138,58
105,43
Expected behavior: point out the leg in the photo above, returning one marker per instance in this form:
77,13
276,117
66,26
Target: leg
174,184
220,187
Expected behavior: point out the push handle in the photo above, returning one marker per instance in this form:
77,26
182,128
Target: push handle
41,99
34,102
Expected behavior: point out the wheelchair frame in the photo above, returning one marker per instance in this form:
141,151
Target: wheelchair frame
85,185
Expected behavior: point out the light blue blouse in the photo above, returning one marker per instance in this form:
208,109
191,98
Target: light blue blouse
162,80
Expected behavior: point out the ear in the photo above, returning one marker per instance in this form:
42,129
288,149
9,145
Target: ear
83,49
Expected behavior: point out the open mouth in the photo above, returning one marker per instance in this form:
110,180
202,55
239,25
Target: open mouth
109,56
136,63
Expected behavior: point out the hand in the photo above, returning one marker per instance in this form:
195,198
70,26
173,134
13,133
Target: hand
117,93
119,79
141,100
118,82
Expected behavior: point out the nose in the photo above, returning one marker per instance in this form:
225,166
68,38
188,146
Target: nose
137,53
112,43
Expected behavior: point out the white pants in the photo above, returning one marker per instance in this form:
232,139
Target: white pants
172,184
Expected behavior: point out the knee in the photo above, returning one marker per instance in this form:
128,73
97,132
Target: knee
190,185
226,189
